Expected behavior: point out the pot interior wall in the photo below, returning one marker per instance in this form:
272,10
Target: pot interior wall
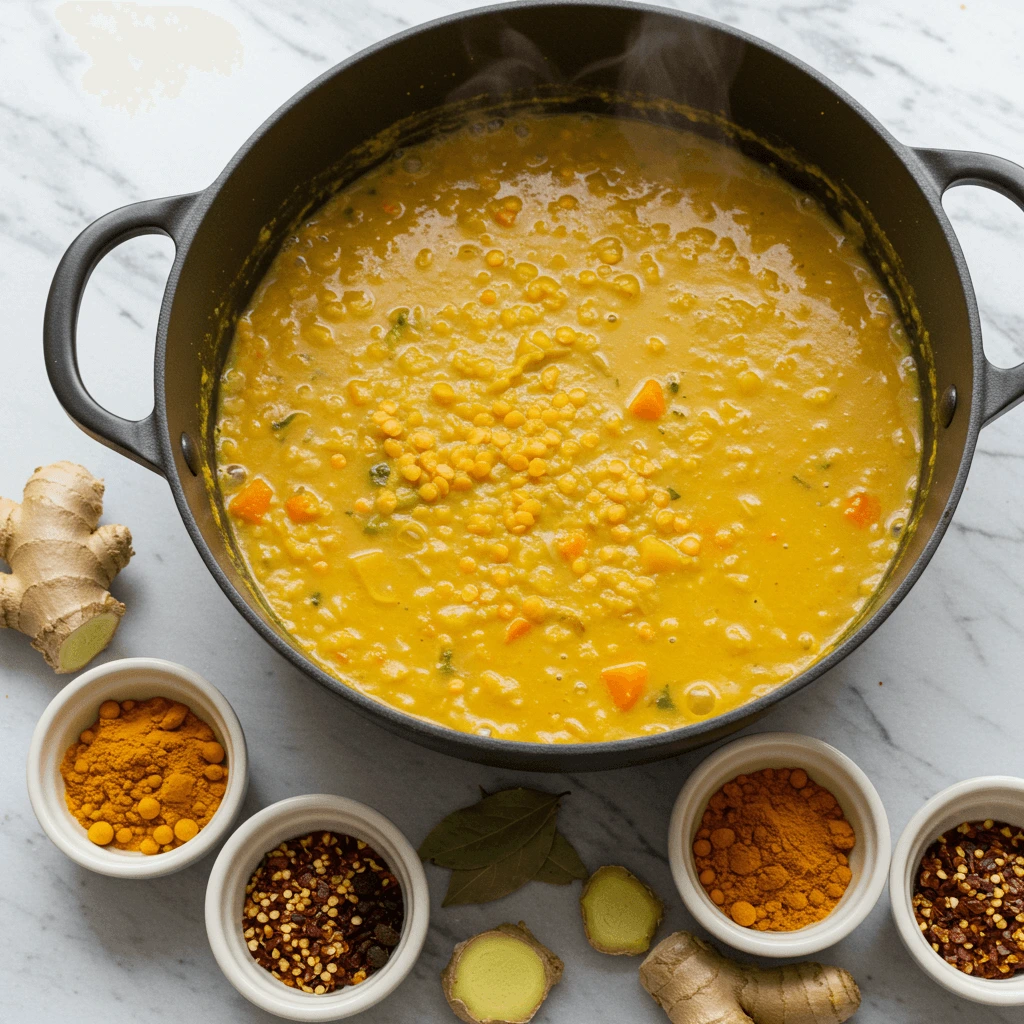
494,57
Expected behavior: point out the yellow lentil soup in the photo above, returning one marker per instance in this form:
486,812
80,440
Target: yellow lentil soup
569,429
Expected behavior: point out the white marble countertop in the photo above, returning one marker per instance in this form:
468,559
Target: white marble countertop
102,104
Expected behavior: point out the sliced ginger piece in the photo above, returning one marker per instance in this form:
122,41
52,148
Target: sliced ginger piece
374,569
501,976
620,913
61,565
659,556
694,984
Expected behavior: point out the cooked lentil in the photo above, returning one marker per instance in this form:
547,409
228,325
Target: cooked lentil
553,397
322,911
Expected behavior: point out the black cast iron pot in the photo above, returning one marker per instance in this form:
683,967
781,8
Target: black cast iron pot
497,55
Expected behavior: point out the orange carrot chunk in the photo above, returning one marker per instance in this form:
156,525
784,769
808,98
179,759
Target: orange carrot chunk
625,683
649,403
252,502
516,629
572,545
302,507
863,509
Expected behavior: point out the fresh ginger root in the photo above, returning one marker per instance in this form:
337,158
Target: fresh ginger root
500,976
620,913
61,566
694,984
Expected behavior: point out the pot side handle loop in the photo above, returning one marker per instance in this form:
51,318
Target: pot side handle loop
1004,388
138,440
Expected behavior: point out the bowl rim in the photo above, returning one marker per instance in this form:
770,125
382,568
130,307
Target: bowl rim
243,851
920,831
530,755
860,802
75,706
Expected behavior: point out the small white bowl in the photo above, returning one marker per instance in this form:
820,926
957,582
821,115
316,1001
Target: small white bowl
241,854
830,768
1000,797
76,707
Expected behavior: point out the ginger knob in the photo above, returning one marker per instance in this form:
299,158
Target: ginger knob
695,984
61,565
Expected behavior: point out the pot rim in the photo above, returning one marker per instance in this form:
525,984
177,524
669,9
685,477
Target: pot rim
609,753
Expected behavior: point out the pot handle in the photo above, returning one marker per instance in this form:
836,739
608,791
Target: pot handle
1003,388
138,440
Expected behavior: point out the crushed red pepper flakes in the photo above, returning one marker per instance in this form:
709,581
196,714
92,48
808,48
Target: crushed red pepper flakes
322,911
969,898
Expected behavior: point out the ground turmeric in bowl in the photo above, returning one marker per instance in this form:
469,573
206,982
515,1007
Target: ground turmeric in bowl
146,775
772,850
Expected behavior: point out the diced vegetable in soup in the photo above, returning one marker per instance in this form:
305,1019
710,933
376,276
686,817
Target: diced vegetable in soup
568,429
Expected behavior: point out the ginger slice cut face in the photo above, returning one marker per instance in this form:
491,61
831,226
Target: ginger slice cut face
501,976
84,643
620,913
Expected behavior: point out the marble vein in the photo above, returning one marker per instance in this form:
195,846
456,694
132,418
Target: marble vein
950,704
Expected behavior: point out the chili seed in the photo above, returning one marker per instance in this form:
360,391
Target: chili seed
311,946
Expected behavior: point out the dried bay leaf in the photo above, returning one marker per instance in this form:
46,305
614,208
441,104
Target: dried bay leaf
501,877
490,831
563,864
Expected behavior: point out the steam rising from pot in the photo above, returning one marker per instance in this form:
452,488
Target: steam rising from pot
661,60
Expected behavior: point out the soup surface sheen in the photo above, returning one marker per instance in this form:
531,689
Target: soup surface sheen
567,429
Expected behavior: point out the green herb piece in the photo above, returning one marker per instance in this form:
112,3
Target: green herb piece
679,413
393,336
444,664
281,424
380,473
501,877
673,386
563,864
375,524
491,830
406,498
314,599
664,701
673,494
826,465
802,483
573,621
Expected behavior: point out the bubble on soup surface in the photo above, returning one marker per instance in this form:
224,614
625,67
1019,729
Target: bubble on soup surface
701,698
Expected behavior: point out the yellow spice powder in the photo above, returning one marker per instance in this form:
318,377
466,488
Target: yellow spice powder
146,775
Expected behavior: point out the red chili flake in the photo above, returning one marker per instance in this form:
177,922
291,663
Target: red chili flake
969,898
322,911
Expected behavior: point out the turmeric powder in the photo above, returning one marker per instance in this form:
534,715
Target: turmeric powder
146,775
772,850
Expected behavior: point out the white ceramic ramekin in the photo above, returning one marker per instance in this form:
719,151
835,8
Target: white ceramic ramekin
76,707
830,768
225,897
1000,797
